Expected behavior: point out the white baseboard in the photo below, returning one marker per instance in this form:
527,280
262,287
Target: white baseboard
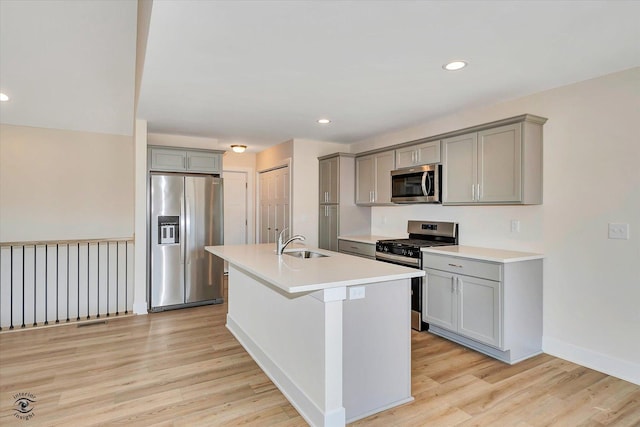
623,369
304,405
140,307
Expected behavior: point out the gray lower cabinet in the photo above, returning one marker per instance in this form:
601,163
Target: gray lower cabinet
168,159
365,250
495,308
328,227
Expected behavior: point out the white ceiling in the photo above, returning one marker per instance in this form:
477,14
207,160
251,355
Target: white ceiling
68,64
262,72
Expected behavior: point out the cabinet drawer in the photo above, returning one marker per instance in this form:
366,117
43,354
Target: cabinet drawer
356,248
468,267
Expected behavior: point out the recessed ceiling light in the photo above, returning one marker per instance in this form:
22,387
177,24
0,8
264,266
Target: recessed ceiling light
324,121
238,148
3,97
455,65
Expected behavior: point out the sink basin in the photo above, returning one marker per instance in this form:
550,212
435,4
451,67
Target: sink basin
305,254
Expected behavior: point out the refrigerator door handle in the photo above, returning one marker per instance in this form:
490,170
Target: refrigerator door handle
183,230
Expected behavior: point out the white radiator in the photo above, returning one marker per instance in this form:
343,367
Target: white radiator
43,283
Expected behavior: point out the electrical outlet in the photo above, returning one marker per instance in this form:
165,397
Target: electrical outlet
618,231
356,292
515,226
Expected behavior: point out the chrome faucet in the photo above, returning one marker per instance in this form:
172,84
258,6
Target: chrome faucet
280,246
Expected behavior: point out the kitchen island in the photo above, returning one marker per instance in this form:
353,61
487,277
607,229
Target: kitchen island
332,332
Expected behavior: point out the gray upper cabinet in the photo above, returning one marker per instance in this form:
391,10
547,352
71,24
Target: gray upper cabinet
338,213
184,160
203,161
498,165
329,178
420,154
373,178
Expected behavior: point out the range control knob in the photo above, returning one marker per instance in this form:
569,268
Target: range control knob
410,253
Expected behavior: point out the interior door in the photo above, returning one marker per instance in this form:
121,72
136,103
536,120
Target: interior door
235,207
274,203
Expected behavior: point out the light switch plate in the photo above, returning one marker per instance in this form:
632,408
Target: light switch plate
618,231
515,226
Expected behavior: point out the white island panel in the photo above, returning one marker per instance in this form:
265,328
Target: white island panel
337,356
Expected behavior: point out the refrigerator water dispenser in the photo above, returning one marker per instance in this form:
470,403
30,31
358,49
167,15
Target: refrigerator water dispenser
168,230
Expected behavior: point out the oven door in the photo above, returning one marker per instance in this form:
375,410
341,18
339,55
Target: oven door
416,185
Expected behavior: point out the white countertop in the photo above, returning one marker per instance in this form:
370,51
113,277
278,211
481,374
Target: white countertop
294,275
484,254
368,238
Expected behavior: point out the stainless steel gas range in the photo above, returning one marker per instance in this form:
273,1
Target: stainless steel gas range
407,252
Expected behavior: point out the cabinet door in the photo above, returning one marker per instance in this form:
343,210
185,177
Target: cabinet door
421,154
480,310
329,176
365,180
406,157
168,160
328,227
200,161
384,164
460,156
439,299
500,164
428,152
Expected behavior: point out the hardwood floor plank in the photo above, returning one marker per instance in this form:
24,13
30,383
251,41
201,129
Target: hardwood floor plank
184,368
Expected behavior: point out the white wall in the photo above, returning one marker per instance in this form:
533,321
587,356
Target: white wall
64,185
591,178
140,303
305,184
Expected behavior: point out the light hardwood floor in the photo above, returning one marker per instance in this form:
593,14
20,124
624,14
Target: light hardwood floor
183,368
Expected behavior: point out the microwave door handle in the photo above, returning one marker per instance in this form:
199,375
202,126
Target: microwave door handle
424,184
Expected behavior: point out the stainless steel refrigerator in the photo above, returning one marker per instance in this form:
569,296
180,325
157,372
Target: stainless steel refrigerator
186,214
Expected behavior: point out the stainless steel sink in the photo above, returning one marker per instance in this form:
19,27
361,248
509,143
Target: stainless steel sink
305,254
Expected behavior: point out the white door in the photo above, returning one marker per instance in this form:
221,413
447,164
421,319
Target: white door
274,203
235,208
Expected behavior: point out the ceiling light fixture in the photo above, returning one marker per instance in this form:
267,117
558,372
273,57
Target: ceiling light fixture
238,148
324,121
455,65
3,97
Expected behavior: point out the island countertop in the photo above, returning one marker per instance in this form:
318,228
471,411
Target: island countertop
294,275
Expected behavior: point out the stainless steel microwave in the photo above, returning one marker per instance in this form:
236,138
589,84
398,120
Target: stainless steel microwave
419,184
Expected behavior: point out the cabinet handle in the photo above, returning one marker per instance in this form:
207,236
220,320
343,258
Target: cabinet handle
456,265
479,194
473,192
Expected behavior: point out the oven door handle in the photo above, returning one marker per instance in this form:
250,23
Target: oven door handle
398,259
